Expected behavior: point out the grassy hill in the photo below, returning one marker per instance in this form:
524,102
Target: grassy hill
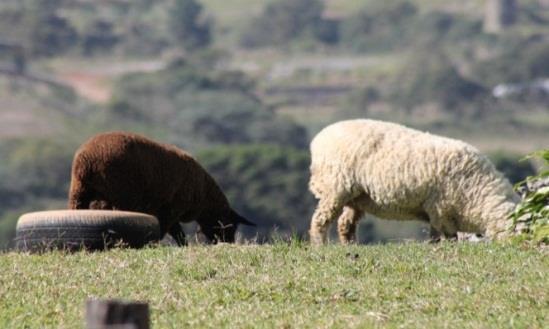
457,285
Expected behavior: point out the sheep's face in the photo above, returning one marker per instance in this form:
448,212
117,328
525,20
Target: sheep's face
224,232
225,228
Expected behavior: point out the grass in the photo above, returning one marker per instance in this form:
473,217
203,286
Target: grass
457,285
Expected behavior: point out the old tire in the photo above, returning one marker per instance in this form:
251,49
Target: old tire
73,230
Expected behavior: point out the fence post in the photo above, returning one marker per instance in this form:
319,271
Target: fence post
116,314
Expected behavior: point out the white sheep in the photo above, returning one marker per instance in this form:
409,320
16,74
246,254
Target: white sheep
394,172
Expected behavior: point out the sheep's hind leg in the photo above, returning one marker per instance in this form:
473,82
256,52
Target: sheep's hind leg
326,212
346,224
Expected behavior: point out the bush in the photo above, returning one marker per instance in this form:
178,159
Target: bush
533,211
511,167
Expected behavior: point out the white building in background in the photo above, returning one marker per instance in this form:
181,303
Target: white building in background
536,87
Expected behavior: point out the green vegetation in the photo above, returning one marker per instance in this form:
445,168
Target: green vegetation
187,25
143,27
244,85
431,78
512,166
506,66
284,21
202,108
276,196
286,285
533,211
378,26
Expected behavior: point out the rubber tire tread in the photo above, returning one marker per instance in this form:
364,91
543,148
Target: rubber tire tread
74,230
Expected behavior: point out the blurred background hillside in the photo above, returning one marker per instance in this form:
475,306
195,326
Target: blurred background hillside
244,85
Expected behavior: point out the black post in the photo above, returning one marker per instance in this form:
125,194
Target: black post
116,314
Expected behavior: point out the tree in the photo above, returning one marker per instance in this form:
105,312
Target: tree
98,37
379,26
189,26
286,20
430,78
202,108
50,34
522,62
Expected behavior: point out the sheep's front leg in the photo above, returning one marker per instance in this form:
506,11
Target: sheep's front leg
326,212
434,235
346,224
177,233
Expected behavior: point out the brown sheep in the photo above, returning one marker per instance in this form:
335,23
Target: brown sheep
125,171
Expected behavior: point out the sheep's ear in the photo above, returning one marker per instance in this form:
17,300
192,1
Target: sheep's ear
241,220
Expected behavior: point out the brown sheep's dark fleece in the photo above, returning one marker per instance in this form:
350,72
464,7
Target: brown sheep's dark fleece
125,171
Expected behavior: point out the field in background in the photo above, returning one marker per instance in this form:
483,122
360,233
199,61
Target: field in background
310,86
222,100
457,285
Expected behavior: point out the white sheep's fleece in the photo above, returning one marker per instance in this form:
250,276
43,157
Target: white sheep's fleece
395,172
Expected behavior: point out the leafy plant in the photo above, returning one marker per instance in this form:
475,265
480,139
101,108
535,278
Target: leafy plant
510,166
533,211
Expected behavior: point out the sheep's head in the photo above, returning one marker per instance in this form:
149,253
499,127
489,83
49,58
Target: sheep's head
225,228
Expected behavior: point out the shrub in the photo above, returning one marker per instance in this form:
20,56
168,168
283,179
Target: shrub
511,167
533,211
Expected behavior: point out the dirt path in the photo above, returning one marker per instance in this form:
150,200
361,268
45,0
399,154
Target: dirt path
94,81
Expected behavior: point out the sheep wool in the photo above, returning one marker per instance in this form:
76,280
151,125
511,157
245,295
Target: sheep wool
125,171
394,172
